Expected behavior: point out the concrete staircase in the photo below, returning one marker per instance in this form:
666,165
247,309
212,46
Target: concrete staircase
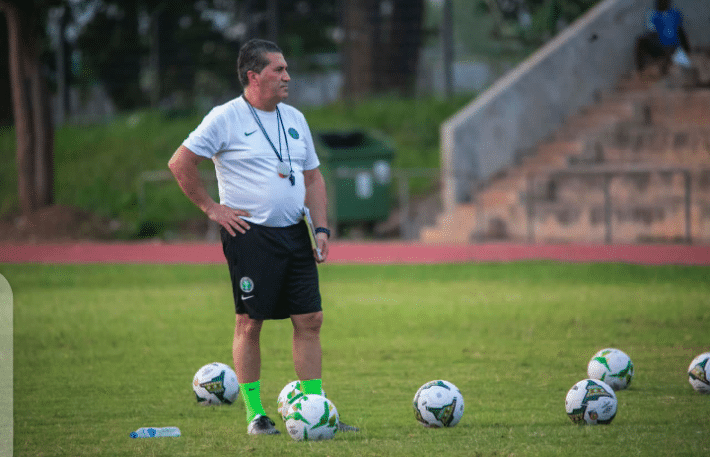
648,124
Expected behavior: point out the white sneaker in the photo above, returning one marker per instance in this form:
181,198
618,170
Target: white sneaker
262,425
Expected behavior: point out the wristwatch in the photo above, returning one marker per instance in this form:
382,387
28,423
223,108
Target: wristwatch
323,230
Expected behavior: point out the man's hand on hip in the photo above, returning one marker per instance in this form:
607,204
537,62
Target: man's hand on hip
229,218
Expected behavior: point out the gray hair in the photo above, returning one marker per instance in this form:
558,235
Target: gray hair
252,58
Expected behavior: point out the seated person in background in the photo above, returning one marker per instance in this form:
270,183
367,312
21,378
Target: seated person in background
663,39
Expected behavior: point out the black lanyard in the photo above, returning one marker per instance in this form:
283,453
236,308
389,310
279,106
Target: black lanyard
279,128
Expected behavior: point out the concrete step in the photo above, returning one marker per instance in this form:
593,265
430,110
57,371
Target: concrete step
552,155
452,227
641,122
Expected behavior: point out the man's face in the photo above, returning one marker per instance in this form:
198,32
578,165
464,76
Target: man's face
273,79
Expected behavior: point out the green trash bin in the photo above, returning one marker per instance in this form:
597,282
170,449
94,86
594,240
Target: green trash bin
357,170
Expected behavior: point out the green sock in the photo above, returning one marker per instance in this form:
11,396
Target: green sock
312,387
251,393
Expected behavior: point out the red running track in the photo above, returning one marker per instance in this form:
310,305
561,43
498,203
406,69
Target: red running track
365,253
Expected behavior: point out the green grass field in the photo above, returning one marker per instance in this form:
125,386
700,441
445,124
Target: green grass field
102,350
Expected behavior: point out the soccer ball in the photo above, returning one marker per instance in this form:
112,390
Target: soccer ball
311,418
438,404
591,402
613,367
699,373
290,393
215,384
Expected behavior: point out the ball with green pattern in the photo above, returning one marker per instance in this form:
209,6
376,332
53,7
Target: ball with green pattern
215,384
591,402
612,366
699,373
311,418
290,393
438,404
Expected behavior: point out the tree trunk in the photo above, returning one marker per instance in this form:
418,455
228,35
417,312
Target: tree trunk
359,19
31,109
43,137
400,47
381,48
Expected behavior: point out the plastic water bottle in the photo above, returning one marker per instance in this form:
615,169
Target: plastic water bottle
154,432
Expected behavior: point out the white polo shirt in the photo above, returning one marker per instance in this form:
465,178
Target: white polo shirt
246,164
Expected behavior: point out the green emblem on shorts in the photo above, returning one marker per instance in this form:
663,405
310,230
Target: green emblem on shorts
294,134
246,284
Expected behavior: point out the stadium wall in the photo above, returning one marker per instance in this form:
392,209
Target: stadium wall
534,99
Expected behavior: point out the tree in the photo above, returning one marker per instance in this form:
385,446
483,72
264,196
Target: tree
112,51
5,95
381,49
31,106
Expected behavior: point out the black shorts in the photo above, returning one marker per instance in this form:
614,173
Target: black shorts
651,44
273,271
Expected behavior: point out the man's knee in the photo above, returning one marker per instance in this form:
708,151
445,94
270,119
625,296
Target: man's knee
245,326
311,322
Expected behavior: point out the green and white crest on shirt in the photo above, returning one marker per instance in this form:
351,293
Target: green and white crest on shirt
294,134
246,284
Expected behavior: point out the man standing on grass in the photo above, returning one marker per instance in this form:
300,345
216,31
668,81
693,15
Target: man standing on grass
267,170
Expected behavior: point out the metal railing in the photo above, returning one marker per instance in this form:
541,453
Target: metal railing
607,173
408,226
411,220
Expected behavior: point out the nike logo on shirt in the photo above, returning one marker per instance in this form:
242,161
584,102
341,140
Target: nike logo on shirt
246,297
248,133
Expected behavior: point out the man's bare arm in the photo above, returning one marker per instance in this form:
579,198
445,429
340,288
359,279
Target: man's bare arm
183,164
317,203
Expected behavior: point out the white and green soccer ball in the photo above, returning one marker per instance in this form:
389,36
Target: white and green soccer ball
438,404
699,373
613,367
591,402
311,418
215,384
290,393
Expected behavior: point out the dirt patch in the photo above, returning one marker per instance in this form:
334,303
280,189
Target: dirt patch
55,224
